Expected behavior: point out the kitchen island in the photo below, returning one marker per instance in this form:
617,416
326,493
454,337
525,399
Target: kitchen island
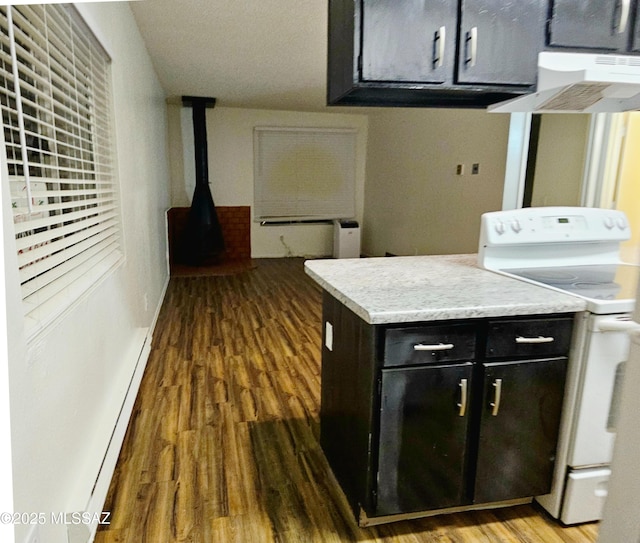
442,384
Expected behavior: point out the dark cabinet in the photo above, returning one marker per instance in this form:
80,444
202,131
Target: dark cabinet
434,416
601,25
433,52
635,44
413,345
500,41
520,417
409,41
523,378
424,420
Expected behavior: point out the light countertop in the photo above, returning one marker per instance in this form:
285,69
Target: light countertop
385,290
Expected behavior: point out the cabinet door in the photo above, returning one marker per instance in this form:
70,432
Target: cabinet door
423,438
500,41
635,46
408,40
521,406
595,24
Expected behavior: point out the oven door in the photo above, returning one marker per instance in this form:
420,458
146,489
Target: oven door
596,414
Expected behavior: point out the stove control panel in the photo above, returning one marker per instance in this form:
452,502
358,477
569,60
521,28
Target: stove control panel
551,236
535,225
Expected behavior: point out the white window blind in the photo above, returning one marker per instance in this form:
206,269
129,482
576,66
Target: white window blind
304,174
57,128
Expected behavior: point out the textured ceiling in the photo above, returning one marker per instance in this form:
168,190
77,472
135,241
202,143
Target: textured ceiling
268,54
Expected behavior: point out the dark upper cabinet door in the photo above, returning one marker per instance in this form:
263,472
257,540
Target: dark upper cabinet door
424,418
408,40
521,407
500,41
594,24
635,46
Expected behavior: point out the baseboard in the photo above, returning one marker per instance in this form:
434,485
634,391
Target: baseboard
94,510
154,320
98,496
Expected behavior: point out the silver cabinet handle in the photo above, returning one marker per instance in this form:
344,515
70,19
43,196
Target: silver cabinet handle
497,394
440,39
438,347
472,46
462,406
625,5
539,339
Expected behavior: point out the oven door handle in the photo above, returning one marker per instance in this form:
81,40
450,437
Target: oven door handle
539,339
618,325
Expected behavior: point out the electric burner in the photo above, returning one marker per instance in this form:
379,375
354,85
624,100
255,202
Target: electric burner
599,284
549,276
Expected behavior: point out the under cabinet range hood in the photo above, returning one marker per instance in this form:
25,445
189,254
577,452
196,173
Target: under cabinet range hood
580,83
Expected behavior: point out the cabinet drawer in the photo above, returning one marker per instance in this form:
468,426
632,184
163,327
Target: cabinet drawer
529,337
426,344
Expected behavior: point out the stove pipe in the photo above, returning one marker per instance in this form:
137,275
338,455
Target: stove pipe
202,241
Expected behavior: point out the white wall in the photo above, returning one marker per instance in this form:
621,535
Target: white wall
560,160
8,272
628,187
68,385
414,201
230,147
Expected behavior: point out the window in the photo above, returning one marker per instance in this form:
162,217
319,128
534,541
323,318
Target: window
55,102
304,174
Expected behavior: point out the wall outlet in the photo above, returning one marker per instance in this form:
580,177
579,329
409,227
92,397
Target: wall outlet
460,169
475,168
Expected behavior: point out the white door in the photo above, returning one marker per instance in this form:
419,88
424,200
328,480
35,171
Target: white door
610,173
621,521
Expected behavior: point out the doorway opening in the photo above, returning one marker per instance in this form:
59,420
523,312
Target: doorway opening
587,160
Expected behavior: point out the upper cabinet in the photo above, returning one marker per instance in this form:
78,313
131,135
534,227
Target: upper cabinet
433,52
499,41
603,25
408,41
635,43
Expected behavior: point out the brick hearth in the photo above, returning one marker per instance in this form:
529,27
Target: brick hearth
236,231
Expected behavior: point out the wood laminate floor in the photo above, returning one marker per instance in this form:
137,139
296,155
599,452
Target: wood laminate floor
223,442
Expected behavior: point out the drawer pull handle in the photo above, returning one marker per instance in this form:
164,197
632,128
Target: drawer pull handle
462,406
438,347
497,395
539,339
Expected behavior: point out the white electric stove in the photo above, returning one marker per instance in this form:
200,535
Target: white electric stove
575,250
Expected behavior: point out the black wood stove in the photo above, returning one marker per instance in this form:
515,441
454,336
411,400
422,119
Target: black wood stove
202,240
